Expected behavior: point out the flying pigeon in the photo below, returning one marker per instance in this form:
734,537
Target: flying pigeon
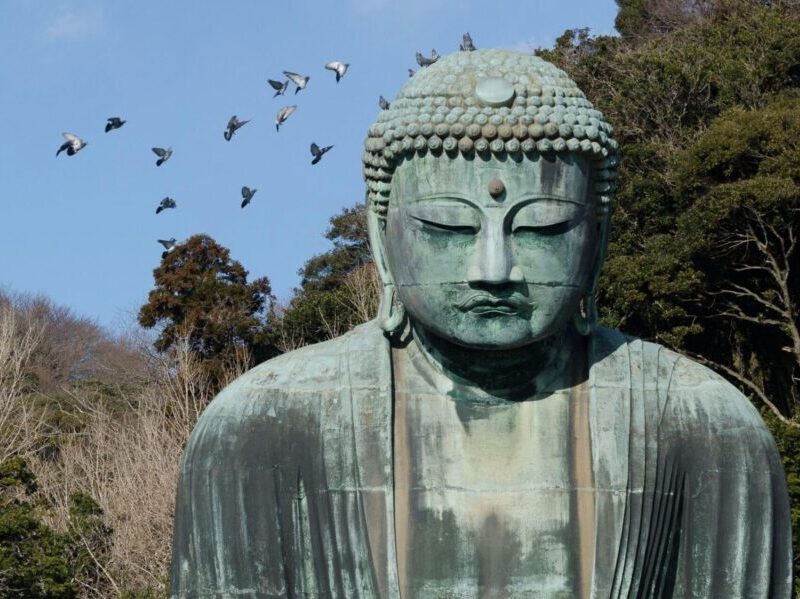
340,68
283,114
426,62
166,203
169,245
317,152
278,86
298,80
233,125
384,103
411,72
73,144
163,155
114,122
247,195
466,43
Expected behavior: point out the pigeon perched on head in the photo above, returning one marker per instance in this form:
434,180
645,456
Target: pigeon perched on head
466,43
169,245
283,114
114,122
424,61
233,125
298,80
247,195
163,155
317,152
166,203
279,87
411,72
73,144
340,68
384,103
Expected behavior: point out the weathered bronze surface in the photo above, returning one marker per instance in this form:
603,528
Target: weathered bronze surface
482,437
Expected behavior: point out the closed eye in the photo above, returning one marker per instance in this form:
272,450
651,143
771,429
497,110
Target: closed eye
547,217
548,229
455,228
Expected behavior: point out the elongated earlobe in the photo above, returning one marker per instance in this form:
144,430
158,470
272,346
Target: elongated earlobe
585,319
391,313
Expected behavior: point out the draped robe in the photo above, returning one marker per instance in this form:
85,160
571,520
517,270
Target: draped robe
287,486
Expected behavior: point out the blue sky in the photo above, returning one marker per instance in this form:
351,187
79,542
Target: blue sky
83,229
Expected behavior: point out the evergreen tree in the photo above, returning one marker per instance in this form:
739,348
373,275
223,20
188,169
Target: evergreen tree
37,562
338,289
202,295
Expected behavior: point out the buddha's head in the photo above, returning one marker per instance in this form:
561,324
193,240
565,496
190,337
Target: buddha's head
489,185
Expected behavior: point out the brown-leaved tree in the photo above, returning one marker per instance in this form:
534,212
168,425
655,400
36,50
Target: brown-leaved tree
202,297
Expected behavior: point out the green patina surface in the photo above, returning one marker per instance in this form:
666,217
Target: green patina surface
481,437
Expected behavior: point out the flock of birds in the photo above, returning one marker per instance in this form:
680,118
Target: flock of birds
75,144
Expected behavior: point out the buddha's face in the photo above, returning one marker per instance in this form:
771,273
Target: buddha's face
485,269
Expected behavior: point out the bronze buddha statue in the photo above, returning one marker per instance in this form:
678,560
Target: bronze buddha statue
483,437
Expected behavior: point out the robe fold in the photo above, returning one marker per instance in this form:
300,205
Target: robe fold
286,485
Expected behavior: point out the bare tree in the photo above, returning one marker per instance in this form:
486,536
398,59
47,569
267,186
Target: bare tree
362,292
128,462
20,424
764,296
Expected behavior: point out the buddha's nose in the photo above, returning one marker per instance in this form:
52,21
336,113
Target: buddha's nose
493,261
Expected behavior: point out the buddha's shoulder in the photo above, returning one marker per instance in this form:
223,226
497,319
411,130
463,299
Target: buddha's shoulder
686,393
303,379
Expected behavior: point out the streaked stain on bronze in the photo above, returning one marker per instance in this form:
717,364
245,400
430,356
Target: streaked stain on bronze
583,502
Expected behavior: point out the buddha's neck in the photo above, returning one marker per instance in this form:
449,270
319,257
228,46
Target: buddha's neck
512,374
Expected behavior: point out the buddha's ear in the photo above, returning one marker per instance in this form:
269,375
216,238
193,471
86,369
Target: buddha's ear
376,227
585,319
391,313
603,224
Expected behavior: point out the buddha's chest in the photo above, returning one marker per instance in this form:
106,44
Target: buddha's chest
484,497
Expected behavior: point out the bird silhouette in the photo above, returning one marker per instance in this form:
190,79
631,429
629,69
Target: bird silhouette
466,43
169,245
283,114
299,80
424,61
233,125
165,203
340,68
318,152
279,87
247,195
73,145
384,103
114,122
163,155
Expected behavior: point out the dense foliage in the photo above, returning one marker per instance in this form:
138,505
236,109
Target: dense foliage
37,562
202,296
338,288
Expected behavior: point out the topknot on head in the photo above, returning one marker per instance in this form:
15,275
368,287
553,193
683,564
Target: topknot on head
488,103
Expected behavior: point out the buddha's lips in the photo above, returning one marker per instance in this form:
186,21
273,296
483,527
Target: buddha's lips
483,302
